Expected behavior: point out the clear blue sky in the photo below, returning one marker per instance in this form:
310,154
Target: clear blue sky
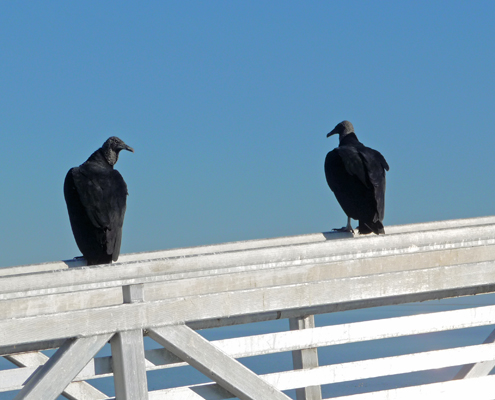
227,104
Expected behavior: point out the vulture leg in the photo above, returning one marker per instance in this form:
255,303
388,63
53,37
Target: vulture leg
347,228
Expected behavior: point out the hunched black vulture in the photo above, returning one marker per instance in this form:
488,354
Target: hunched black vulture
356,174
96,196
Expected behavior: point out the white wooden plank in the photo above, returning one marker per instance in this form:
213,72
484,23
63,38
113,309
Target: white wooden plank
202,355
206,391
33,346
358,332
250,244
74,391
311,272
308,238
129,366
29,359
128,362
60,302
381,367
51,379
18,308
208,281
14,379
85,278
480,369
466,389
305,358
321,296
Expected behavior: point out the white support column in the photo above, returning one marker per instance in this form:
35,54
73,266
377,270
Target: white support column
129,366
74,391
214,363
480,369
53,377
307,358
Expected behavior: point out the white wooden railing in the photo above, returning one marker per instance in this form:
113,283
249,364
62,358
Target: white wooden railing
169,295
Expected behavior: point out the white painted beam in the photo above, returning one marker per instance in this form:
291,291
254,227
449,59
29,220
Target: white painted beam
52,378
387,366
251,244
33,346
466,389
305,358
86,278
14,379
480,369
323,296
215,364
218,281
59,302
74,391
128,366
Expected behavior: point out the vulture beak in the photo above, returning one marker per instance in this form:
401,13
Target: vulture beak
128,148
331,133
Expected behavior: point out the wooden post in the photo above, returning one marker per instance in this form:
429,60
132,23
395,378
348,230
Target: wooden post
307,358
129,367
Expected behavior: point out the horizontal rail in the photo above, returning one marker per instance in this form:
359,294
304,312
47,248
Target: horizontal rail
18,307
250,244
332,251
482,388
359,243
386,366
319,297
452,390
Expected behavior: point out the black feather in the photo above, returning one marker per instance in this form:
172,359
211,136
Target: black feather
96,196
356,175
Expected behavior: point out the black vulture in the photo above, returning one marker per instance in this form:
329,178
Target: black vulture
96,196
356,174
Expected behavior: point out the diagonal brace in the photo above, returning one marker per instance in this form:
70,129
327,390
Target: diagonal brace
52,378
74,391
214,363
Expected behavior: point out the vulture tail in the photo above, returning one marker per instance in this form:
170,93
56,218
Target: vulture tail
367,227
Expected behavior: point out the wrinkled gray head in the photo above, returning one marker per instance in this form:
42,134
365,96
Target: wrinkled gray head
342,129
111,149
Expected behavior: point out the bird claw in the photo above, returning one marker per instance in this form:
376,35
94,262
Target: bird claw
343,229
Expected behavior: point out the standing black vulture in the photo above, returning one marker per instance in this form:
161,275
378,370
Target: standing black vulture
356,174
96,196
